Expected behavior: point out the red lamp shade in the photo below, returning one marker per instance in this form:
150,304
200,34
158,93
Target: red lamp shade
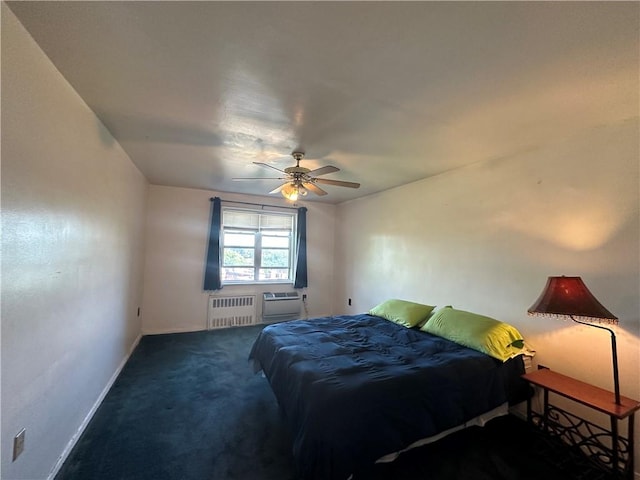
569,296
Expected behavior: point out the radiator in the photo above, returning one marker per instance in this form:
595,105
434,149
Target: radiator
281,306
231,311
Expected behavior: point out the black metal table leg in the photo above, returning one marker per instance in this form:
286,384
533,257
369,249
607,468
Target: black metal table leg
614,448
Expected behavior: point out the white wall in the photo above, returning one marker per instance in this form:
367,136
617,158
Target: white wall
176,244
485,238
73,210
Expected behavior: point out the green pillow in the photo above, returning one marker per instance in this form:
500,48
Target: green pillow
485,334
407,314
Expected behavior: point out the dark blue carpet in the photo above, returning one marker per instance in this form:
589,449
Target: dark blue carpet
188,406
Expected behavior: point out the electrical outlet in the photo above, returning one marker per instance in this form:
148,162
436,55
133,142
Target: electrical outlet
304,297
18,444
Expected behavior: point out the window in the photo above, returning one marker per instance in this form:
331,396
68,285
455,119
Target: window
257,246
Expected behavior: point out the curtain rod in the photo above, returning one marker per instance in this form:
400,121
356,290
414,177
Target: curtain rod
256,204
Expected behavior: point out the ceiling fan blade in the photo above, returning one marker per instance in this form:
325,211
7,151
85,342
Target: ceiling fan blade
312,187
267,165
323,171
276,190
240,179
337,183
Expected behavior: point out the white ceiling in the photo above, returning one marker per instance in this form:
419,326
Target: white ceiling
388,92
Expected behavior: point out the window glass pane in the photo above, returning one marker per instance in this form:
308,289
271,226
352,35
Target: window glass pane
277,233
238,256
278,242
275,258
237,274
276,222
238,239
274,274
241,219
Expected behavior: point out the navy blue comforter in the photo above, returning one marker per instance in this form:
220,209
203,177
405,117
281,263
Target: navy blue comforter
355,388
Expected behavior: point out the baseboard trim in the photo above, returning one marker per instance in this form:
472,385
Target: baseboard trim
89,416
173,330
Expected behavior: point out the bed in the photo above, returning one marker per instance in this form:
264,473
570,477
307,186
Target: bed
354,389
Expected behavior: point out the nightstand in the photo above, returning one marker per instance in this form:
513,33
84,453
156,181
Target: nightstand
605,449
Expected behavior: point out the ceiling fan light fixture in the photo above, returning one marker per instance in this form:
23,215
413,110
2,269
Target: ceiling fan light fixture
292,191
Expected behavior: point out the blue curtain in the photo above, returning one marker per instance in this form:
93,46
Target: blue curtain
212,270
301,257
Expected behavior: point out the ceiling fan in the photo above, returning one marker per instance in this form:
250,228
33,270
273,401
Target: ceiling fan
300,180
